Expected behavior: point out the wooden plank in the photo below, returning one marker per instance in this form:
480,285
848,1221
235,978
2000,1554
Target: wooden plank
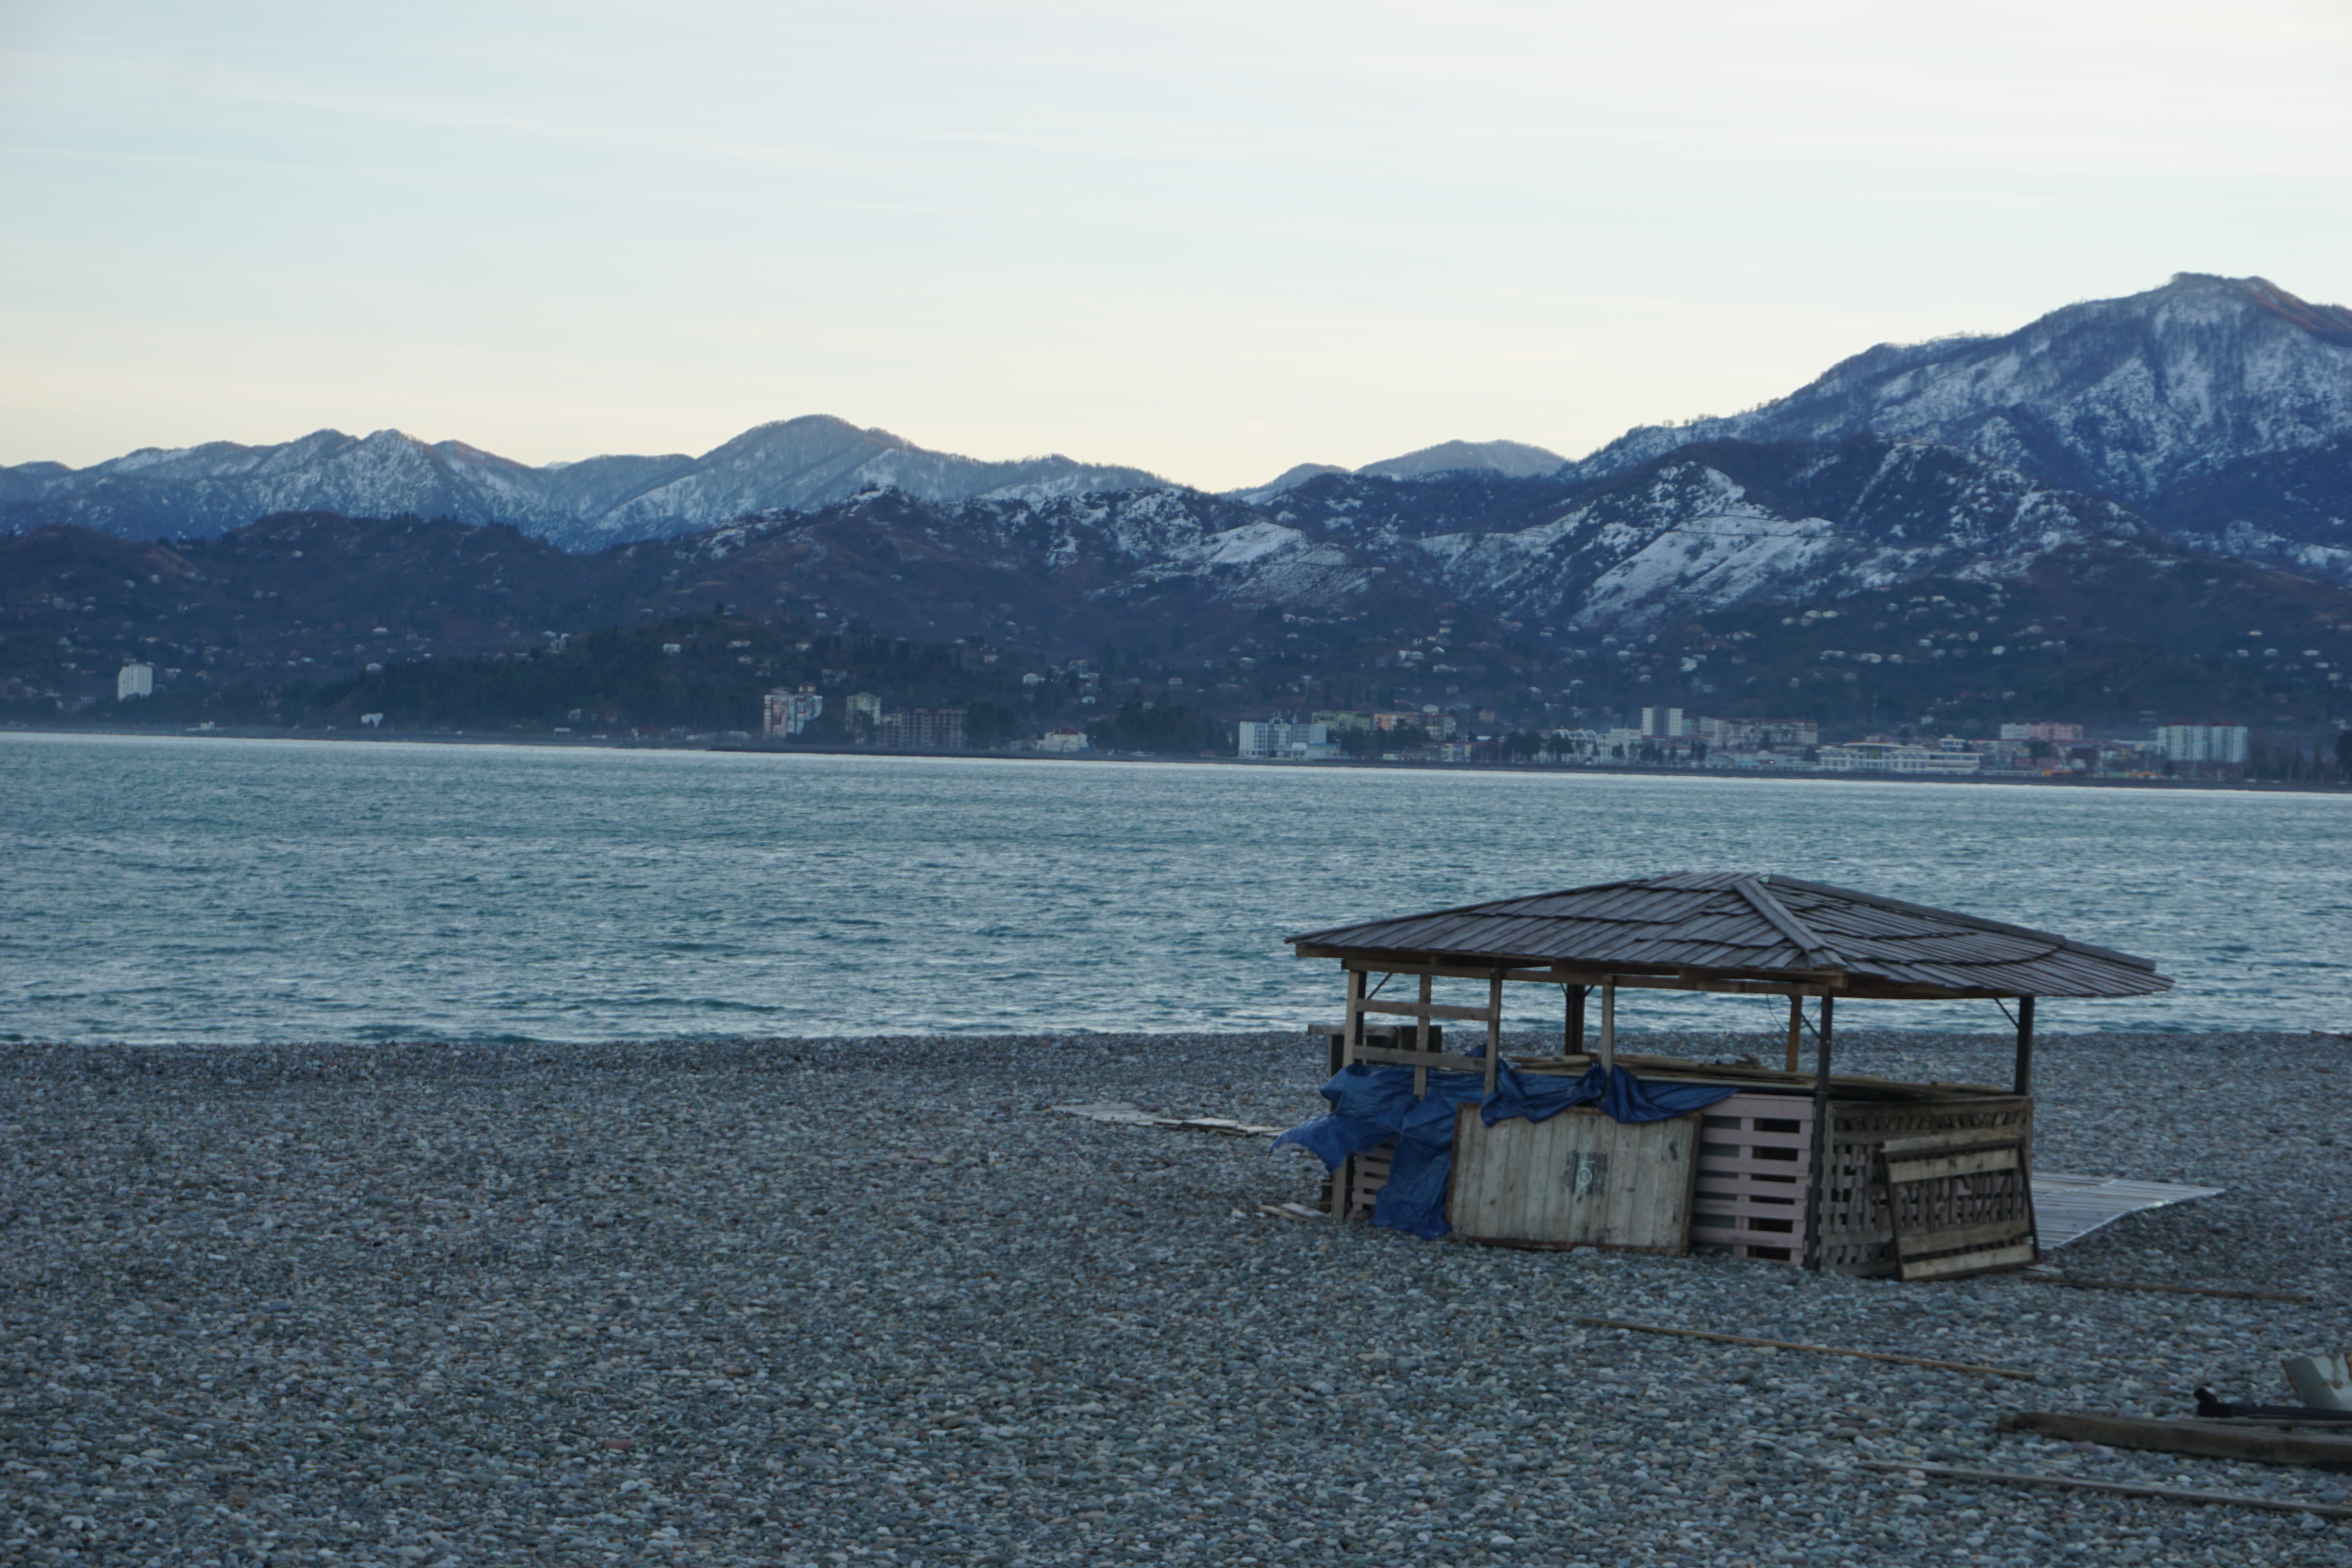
2166,1290
2120,1488
1903,1172
1815,1350
1917,1144
2210,1439
1439,1060
2000,1233
1429,1010
2016,1257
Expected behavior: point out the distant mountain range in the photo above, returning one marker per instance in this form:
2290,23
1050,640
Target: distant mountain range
2220,406
801,464
2176,467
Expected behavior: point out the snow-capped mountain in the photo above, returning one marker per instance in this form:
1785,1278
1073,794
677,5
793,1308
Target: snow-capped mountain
2123,396
796,463
1701,531
1513,459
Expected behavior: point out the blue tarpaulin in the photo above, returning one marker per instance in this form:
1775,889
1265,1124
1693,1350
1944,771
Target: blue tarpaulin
1371,1105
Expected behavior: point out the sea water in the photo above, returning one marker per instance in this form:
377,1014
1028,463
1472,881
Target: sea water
185,889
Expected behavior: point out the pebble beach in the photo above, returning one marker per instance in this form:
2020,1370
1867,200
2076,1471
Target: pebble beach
809,1301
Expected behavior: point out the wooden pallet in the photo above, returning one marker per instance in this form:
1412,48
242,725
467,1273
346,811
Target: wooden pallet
1958,1201
1755,1157
1361,1178
1858,1232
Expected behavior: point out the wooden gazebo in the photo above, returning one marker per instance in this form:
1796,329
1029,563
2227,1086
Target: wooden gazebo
1870,1147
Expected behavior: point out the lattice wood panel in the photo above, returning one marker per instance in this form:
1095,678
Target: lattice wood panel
1857,1226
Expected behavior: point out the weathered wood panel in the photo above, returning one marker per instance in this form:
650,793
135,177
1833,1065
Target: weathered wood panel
1578,1179
1754,1156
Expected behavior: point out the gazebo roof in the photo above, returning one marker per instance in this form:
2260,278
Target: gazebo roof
1748,926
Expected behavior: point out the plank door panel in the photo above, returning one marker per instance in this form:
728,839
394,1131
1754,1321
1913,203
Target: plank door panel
1576,1180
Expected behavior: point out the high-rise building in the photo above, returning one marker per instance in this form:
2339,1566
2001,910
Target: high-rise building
2202,742
1660,723
135,680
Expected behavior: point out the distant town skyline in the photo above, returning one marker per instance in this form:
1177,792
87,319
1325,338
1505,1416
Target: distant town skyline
1210,241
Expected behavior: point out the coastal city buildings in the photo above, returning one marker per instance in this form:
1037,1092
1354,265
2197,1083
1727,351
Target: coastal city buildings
791,712
135,680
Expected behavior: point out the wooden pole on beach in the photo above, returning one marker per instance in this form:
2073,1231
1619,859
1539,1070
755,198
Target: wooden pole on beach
1608,1023
2024,1045
1816,1206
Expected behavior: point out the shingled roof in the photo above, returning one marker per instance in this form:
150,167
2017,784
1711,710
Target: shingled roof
1752,926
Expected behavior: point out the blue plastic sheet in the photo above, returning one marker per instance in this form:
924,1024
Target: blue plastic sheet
1371,1105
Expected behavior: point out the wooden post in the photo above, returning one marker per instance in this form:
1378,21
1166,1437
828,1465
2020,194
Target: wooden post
1796,1027
1575,1020
1420,1042
1609,1022
1353,1038
2025,1045
1493,1029
1816,1204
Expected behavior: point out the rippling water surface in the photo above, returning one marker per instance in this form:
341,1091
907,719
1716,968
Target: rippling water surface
160,889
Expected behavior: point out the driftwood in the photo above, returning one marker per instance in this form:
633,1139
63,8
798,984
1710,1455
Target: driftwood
1815,1350
2265,1444
2125,1488
2166,1289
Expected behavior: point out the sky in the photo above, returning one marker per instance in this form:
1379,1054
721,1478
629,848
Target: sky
1208,239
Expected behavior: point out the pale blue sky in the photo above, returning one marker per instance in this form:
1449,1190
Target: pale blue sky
1212,239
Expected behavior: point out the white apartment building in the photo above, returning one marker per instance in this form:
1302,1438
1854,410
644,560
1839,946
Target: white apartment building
1662,723
135,680
2202,742
1278,738
1898,757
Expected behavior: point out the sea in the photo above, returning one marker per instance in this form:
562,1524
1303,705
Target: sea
202,889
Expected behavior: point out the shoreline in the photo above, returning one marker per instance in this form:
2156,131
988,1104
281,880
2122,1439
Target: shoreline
448,738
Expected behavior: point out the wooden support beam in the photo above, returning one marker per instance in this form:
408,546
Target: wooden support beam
1494,1030
2024,1081
1354,1039
1608,1023
1426,1009
1796,1029
1817,1185
1421,1075
1421,1060
1574,1034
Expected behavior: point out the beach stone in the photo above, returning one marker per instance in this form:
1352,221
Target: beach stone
807,1301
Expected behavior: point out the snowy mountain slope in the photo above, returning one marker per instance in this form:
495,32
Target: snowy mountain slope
1510,459
1733,523
1699,531
798,463
2124,396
